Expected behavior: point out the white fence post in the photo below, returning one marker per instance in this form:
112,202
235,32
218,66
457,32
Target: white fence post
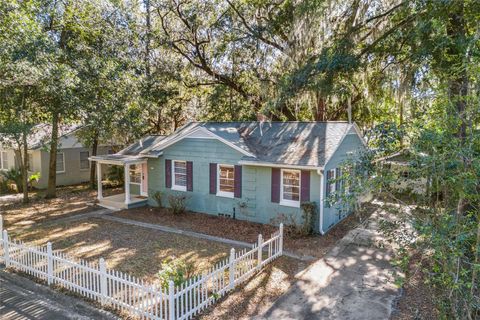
281,239
5,249
171,300
231,268
1,223
260,251
103,281
49,263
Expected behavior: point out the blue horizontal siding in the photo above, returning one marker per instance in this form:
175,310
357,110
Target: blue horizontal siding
254,205
351,144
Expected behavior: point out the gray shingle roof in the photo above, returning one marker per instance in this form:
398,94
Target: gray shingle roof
41,134
141,145
290,143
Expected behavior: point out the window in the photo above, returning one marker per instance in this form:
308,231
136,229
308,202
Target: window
30,162
331,187
179,174
290,189
3,160
135,174
84,162
60,162
226,180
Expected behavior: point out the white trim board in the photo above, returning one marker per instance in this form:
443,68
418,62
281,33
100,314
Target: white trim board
275,165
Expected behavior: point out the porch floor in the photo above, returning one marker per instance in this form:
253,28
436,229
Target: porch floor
118,201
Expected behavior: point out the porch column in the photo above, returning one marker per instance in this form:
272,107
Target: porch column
99,181
127,183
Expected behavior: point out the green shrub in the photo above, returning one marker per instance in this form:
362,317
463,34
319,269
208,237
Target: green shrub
177,203
309,209
115,174
176,270
157,197
34,177
294,228
13,176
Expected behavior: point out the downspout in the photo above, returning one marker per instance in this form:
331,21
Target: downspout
320,173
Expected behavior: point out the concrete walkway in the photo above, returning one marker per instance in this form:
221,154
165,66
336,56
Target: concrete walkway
21,298
353,281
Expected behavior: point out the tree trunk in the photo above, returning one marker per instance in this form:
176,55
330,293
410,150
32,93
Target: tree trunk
52,168
93,166
321,107
24,167
458,85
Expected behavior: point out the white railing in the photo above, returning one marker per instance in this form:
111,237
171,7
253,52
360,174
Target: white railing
126,293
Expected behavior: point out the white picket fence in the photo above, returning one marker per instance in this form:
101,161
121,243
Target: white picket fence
130,294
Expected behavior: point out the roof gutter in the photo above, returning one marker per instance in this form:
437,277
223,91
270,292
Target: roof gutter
277,165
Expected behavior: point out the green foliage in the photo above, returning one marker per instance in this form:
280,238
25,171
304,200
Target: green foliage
176,270
309,209
13,176
177,203
157,196
116,174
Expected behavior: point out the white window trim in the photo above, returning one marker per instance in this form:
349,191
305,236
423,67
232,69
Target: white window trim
1,160
80,159
332,177
225,194
176,186
63,156
287,202
130,177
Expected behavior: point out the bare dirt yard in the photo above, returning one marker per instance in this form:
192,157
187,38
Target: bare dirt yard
70,201
140,251
135,250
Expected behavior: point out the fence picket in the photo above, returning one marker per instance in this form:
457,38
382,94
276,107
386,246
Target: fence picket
125,292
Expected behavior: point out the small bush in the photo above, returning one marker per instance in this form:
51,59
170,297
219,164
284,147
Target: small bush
157,197
291,226
13,176
176,270
177,203
309,212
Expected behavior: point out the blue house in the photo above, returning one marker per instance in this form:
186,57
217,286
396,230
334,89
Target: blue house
248,170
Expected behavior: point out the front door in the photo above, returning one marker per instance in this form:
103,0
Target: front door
144,182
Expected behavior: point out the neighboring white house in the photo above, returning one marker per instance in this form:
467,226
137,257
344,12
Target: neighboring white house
73,166
400,165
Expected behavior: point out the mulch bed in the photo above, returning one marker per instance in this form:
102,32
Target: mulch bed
313,245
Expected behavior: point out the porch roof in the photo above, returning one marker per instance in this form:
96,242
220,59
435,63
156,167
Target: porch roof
118,159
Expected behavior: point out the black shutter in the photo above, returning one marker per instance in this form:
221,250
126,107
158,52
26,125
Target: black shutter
275,185
305,186
189,176
168,173
238,181
213,178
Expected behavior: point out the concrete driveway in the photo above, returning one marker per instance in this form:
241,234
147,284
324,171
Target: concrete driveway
21,299
353,281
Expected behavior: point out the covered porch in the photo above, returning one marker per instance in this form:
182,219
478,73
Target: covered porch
135,180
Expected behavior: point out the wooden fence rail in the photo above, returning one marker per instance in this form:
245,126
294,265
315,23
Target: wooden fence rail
127,293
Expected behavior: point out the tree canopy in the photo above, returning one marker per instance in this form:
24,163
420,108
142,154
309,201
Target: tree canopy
407,71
